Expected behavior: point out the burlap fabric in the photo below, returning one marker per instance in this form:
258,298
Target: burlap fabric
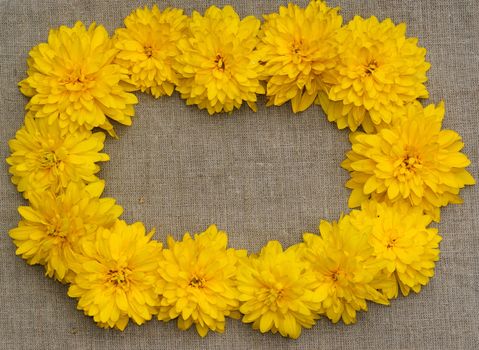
263,176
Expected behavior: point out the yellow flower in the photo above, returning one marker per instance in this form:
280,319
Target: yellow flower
53,225
116,276
346,272
197,281
218,66
72,79
43,159
400,238
147,48
379,71
276,291
414,161
299,52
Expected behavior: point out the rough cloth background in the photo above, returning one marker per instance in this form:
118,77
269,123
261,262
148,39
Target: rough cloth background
269,175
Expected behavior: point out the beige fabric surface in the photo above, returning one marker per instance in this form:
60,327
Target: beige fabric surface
269,175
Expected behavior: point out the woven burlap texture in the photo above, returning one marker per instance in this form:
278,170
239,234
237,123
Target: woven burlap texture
260,176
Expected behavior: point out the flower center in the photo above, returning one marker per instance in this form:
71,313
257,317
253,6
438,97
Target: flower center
297,47
148,51
408,166
370,67
48,160
55,231
274,295
60,227
119,277
76,80
391,243
392,237
196,282
335,275
220,62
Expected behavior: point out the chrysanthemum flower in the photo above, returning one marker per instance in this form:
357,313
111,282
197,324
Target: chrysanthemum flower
378,72
299,52
346,272
148,47
218,66
43,159
413,161
400,237
116,276
197,281
72,79
53,225
276,291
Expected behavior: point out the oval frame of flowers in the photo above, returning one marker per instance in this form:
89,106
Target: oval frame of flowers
365,75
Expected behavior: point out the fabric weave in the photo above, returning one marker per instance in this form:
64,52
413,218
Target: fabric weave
259,176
